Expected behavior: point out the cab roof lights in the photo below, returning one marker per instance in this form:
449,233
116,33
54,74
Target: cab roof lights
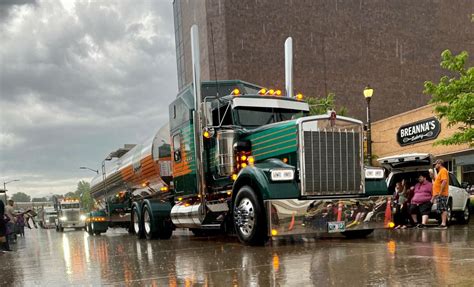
236,92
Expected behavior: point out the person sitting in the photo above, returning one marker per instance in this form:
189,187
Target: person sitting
421,201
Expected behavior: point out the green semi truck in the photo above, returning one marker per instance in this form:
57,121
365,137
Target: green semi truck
239,158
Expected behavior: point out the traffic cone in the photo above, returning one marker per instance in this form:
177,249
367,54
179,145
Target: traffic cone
388,213
339,211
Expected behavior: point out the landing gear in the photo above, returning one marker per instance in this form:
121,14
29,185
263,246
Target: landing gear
249,218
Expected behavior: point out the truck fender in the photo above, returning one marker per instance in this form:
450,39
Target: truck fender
253,177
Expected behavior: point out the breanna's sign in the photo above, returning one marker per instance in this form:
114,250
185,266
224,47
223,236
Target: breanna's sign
423,130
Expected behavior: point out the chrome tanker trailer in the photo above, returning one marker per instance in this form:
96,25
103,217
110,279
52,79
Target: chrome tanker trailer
130,175
247,160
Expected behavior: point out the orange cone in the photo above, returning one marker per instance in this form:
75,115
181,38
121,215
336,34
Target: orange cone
292,223
339,211
388,213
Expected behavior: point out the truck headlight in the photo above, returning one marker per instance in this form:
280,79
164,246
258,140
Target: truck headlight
63,218
282,174
82,217
374,173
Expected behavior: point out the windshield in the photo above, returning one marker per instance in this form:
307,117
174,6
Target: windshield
69,206
259,116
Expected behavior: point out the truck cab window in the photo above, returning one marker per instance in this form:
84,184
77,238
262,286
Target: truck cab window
222,115
252,117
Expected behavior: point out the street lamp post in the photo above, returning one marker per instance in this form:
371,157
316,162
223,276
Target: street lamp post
5,187
368,92
94,170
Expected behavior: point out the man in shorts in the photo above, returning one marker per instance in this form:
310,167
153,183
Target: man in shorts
440,192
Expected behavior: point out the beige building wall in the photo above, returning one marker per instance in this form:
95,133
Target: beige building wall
384,135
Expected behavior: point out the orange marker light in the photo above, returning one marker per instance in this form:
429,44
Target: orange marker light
285,160
271,92
206,134
278,92
274,232
243,158
164,188
262,91
251,160
234,176
236,92
299,96
244,165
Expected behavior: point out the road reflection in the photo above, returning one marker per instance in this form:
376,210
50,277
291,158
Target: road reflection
433,257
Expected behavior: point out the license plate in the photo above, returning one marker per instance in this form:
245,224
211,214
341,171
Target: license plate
336,226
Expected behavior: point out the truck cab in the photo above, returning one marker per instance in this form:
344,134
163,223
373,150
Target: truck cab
69,215
47,217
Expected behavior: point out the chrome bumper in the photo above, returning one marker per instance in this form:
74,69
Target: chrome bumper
293,216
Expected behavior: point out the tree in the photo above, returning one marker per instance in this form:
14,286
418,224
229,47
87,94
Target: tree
39,199
21,197
454,98
83,192
319,106
71,195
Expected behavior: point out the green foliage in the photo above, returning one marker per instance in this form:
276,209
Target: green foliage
39,199
319,106
21,197
71,195
83,192
453,97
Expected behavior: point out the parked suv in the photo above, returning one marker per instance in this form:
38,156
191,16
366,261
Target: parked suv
408,167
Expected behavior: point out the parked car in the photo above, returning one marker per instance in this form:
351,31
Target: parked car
409,166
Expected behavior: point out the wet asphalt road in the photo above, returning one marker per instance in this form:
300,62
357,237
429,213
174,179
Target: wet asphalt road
387,258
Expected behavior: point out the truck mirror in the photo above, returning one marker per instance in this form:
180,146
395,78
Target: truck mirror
464,184
177,155
207,113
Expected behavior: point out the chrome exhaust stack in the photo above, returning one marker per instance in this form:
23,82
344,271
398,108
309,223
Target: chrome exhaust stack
183,215
289,67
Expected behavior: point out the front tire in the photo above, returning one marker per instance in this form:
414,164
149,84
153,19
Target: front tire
249,217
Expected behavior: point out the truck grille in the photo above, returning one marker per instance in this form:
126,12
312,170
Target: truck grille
332,162
72,215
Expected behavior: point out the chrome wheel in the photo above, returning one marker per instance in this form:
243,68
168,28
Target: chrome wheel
147,221
136,222
245,217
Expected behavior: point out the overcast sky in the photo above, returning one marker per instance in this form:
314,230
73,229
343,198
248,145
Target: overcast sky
79,79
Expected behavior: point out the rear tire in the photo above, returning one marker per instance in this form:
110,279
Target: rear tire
137,223
148,223
357,233
249,217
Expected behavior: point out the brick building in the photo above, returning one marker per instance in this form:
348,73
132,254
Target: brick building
387,140
339,46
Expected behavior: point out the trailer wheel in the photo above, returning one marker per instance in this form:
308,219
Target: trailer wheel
148,224
137,223
249,217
